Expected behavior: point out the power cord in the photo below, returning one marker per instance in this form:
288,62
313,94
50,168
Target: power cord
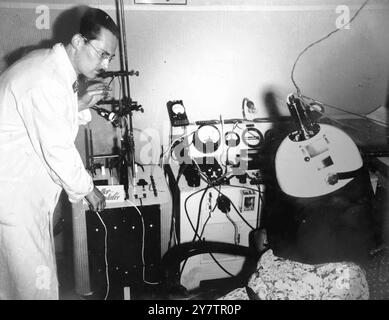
105,253
143,245
320,40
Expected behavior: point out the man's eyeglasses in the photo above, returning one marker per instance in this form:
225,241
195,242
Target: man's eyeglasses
104,55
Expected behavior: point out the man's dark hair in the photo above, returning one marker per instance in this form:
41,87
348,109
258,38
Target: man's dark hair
93,20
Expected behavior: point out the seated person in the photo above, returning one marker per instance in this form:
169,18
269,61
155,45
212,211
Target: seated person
318,247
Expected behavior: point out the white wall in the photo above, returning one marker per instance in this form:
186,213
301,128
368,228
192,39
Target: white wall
213,53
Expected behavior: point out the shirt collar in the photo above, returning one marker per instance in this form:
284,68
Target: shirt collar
66,65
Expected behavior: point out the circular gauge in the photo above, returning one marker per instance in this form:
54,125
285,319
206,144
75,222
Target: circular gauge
232,139
252,137
178,108
207,138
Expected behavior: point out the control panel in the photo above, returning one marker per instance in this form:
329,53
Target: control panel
146,187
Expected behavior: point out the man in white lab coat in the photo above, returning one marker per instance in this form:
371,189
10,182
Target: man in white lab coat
39,117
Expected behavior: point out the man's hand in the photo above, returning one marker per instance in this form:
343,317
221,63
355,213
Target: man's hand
92,95
96,200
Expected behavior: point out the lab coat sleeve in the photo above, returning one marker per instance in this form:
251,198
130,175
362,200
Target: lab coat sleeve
84,117
50,126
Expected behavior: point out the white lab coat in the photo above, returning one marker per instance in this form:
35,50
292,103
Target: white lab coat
39,121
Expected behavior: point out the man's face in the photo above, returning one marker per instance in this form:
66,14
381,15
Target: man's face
95,55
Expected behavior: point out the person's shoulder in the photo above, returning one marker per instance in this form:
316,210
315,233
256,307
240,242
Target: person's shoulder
42,62
31,65
37,69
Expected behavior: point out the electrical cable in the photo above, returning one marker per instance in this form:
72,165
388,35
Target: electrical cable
244,187
204,225
210,185
199,216
181,171
189,220
235,229
177,140
243,219
140,165
237,211
173,231
209,216
236,232
109,83
174,212
345,111
219,265
222,143
105,253
235,235
243,111
143,244
339,122
320,40
261,204
202,175
195,230
186,208
228,149
184,147
236,124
